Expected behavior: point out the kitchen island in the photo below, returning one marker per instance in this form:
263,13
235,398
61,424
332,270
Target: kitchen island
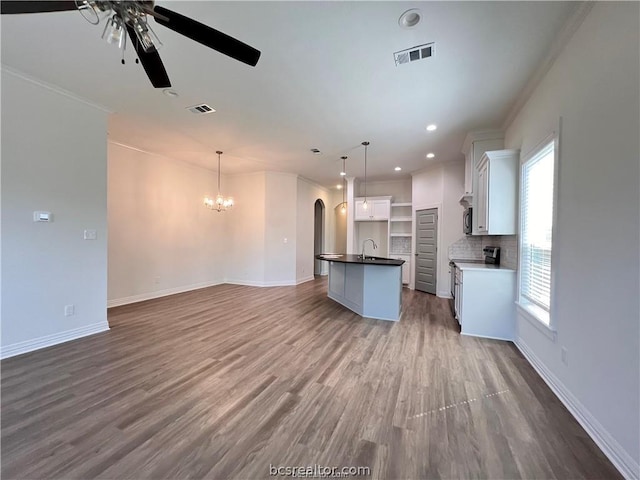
369,286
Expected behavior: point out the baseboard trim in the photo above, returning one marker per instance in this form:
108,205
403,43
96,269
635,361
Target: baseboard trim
609,446
305,279
117,302
255,283
51,340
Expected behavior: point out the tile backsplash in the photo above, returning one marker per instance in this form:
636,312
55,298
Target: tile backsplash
400,245
470,247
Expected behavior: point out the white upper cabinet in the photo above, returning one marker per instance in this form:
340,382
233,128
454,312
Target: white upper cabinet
475,144
496,194
377,209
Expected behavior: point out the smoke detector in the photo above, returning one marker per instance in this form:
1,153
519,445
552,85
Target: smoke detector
414,53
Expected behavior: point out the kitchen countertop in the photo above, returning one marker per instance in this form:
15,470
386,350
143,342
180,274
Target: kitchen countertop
351,258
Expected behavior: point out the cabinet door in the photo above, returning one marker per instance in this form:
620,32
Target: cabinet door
482,200
468,172
406,272
406,267
361,213
380,209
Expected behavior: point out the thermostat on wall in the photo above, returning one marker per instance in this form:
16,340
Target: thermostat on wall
42,217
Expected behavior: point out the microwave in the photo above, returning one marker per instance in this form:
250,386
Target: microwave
466,220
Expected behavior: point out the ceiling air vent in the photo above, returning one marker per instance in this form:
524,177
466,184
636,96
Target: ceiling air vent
201,109
414,53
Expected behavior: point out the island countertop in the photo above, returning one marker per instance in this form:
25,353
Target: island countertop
352,258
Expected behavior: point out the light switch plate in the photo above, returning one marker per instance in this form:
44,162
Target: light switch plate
90,234
42,217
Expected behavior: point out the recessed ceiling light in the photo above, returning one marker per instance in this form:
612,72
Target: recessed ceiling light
410,18
170,93
342,174
431,128
397,169
339,187
315,151
430,155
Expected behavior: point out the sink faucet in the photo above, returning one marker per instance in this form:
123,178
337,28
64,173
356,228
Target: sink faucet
364,242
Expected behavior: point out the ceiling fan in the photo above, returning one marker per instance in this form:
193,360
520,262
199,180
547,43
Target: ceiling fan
132,16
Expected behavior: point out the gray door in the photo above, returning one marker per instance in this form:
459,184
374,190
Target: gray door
426,249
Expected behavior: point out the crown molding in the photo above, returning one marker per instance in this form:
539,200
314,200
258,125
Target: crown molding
53,88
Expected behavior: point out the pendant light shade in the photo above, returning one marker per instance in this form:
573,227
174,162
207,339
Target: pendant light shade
364,204
343,208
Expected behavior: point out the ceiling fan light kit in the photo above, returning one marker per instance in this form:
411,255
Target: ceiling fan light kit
132,16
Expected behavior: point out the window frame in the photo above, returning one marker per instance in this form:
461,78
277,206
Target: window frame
530,311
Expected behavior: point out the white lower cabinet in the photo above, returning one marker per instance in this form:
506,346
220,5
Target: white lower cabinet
484,302
406,267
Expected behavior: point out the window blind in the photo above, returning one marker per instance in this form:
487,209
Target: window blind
536,226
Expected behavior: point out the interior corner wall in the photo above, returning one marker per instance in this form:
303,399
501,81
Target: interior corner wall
452,190
162,240
47,165
307,194
593,86
280,228
442,186
246,233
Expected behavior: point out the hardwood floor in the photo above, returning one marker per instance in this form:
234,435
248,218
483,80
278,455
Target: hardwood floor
224,382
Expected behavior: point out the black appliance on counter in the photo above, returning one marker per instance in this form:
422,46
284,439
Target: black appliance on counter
466,220
491,255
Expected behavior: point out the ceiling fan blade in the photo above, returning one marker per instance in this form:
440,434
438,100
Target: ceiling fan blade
11,6
208,36
151,62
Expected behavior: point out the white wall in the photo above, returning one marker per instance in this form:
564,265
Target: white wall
307,194
593,86
162,239
58,166
440,186
280,224
400,189
246,235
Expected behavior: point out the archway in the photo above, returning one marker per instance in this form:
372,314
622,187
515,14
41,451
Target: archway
318,235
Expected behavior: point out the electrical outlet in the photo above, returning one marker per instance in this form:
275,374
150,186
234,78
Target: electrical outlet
69,310
564,355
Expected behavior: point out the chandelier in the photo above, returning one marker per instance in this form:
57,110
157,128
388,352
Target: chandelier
220,203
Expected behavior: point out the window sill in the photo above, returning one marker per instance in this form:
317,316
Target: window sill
533,318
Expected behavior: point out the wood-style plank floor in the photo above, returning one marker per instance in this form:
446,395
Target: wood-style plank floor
225,381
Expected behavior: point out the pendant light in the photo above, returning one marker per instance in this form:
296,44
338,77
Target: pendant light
343,208
365,205
220,204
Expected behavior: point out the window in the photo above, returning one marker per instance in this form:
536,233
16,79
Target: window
536,225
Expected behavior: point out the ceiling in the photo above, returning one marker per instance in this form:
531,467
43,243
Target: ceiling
326,79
